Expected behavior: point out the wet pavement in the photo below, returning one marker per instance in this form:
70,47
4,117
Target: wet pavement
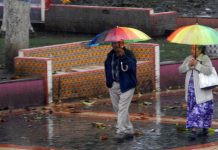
158,118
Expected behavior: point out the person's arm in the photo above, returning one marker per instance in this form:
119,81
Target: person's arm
205,67
184,67
108,75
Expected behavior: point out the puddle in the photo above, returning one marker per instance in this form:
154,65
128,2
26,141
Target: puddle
79,133
166,106
76,132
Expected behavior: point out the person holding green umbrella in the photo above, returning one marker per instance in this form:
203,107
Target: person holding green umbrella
199,101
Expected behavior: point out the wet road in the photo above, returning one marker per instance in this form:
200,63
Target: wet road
76,125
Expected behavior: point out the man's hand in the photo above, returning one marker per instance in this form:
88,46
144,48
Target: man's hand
120,52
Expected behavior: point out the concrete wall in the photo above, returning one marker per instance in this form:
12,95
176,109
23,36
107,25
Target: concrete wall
183,21
170,76
161,22
22,93
95,19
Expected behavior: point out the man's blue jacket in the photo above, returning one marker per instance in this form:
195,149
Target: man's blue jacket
127,78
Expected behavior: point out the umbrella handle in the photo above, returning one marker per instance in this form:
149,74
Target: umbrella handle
122,68
194,48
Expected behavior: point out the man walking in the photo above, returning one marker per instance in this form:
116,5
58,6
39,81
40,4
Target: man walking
120,70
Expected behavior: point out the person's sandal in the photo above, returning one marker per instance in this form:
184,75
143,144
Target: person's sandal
192,135
204,132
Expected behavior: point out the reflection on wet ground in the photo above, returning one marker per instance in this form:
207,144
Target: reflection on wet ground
83,127
169,105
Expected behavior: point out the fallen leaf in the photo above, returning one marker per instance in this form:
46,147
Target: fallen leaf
75,111
88,103
138,133
99,125
152,130
66,1
140,104
100,96
139,95
50,111
38,118
103,137
27,108
151,115
181,128
141,118
184,105
147,103
170,107
43,108
211,131
70,107
2,120
141,113
176,103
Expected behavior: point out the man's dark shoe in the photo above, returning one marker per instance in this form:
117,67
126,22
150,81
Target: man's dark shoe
120,137
129,136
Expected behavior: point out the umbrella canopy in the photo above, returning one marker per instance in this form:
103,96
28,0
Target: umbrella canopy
116,34
194,35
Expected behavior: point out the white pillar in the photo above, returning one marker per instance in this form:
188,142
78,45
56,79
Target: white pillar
157,68
49,82
157,85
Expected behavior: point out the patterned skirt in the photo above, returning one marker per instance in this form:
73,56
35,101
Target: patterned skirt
198,115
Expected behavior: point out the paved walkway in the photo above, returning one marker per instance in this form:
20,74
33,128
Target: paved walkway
90,125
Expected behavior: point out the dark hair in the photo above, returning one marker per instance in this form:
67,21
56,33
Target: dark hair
203,49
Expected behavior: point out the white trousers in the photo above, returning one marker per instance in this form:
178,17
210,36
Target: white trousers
121,102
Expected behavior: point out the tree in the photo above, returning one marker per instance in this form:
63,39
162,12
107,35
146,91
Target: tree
17,22
3,26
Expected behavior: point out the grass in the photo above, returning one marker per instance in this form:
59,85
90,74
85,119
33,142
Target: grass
44,39
168,51
171,51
